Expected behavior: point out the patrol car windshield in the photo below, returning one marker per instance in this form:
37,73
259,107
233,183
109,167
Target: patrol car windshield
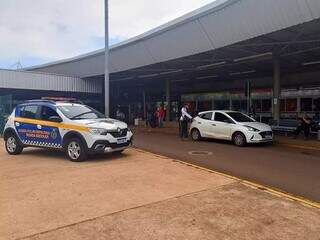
75,112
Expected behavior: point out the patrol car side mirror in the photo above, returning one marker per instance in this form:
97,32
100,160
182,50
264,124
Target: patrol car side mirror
55,119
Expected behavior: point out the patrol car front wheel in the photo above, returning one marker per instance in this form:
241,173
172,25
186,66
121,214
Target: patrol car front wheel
12,145
75,150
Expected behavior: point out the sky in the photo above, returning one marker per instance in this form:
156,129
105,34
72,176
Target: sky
38,31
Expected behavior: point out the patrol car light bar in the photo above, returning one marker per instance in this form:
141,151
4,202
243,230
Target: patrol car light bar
60,99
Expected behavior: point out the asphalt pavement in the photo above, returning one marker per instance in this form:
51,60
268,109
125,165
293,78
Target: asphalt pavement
292,170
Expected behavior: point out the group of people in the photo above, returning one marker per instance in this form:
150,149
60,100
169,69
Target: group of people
155,118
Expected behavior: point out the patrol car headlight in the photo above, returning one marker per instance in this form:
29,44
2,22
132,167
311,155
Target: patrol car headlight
97,131
252,129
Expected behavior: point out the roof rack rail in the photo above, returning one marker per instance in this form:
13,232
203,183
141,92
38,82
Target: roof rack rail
40,100
54,100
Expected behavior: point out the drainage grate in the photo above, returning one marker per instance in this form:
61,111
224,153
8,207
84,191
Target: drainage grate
199,153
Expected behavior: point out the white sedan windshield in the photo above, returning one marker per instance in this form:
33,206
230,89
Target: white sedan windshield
240,117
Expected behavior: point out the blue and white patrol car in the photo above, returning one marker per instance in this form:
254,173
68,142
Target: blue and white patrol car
75,128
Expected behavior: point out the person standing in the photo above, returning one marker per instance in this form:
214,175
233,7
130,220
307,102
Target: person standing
160,116
185,116
304,125
120,115
148,118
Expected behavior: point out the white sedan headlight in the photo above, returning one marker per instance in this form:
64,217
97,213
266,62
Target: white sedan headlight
252,129
97,131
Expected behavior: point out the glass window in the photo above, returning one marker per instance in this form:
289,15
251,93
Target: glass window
236,105
291,105
256,103
80,112
221,104
282,105
47,113
204,106
266,105
207,116
29,112
220,117
243,106
306,104
240,117
316,103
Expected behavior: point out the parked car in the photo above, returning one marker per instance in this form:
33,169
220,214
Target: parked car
230,125
75,128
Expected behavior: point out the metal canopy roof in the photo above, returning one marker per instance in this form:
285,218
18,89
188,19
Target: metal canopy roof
224,31
298,47
27,80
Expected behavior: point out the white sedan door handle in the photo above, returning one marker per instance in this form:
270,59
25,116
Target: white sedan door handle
213,125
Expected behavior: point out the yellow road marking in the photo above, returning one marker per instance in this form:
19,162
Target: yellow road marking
269,189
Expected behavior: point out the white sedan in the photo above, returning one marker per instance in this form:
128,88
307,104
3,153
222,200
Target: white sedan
230,125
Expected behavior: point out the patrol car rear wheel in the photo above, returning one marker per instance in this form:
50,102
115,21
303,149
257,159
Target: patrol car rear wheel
12,145
75,150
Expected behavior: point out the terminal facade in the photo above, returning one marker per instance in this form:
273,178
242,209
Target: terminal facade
209,57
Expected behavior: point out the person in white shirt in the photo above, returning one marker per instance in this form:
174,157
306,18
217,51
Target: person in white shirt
185,116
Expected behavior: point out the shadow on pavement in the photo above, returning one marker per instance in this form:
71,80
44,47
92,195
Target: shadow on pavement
56,154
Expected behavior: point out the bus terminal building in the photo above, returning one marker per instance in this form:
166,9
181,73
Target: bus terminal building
207,58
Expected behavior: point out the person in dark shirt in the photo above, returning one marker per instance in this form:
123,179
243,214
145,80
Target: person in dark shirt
304,125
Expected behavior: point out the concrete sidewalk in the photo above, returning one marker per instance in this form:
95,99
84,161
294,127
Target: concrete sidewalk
138,196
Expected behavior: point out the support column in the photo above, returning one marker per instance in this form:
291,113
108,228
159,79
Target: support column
276,88
144,105
168,100
106,66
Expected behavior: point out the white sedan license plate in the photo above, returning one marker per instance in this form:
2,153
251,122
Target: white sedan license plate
121,140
